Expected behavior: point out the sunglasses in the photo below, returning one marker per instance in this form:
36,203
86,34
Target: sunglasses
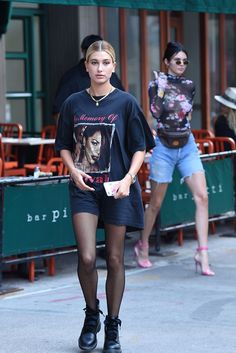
180,61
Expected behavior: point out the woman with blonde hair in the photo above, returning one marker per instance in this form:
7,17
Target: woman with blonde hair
128,136
225,123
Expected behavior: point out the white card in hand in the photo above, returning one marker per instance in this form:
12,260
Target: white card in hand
111,187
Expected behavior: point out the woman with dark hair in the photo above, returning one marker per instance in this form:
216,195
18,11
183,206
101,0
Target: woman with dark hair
123,138
93,142
171,100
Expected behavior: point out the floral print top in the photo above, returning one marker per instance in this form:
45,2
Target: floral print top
171,101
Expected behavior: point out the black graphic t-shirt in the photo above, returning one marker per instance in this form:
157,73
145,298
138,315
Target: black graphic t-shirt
103,138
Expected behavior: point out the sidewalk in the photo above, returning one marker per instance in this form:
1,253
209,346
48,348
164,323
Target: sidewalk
166,309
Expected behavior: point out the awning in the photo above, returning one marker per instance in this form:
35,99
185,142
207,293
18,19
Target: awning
213,6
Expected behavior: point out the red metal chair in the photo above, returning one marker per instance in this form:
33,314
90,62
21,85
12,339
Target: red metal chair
56,166
11,130
11,152
205,146
9,168
45,153
223,143
202,133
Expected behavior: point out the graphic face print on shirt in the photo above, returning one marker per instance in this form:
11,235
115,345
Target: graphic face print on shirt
93,147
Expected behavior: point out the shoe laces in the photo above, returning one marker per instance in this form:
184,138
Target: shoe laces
112,328
91,319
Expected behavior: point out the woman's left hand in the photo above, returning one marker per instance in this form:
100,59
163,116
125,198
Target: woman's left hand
124,188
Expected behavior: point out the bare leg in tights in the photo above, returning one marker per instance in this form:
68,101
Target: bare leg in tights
115,238
85,226
197,185
151,212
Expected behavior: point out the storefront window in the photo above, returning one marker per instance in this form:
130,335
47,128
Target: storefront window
153,42
15,68
17,111
24,68
112,21
230,36
133,49
14,37
37,54
38,114
214,62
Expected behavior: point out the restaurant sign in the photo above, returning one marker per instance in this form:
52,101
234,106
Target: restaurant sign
37,217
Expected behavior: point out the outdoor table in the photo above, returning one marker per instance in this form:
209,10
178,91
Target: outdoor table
27,141
23,145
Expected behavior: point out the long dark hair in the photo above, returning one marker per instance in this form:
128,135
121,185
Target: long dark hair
89,131
172,49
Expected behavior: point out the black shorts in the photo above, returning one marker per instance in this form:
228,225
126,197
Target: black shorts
127,211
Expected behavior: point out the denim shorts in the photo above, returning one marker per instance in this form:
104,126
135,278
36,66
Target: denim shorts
164,160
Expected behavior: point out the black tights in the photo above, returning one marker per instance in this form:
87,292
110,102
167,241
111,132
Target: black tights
85,226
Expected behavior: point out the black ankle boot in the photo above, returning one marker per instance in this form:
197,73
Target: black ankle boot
112,343
92,325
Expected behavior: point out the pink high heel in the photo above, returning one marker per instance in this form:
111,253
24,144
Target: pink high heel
140,257
207,272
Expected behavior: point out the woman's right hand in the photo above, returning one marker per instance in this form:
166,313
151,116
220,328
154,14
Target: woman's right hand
79,178
155,74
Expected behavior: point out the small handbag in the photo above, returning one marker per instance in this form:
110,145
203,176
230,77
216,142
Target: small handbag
173,139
